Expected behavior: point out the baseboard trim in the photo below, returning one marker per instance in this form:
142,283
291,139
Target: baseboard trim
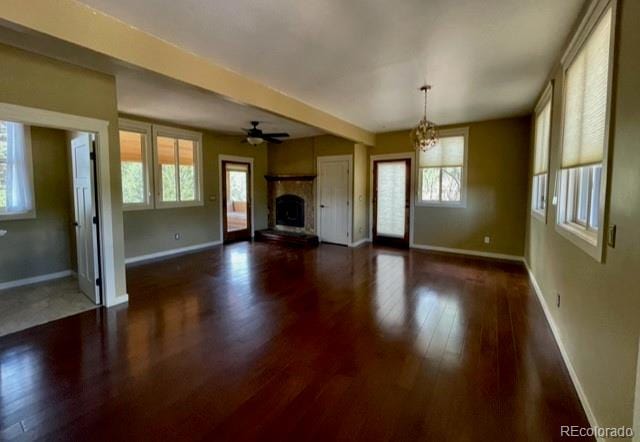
360,242
35,279
171,252
468,252
565,356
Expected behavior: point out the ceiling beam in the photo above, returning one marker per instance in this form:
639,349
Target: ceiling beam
76,23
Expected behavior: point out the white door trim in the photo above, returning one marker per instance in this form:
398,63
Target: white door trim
394,156
329,158
239,159
58,120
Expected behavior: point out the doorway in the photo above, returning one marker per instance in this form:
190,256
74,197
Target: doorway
391,201
334,199
236,200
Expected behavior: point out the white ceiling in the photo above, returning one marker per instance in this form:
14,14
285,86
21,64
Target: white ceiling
363,60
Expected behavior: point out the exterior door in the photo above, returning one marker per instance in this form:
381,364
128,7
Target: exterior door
333,197
85,214
391,202
236,201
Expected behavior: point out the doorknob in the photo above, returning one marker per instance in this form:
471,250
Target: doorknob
75,223
322,206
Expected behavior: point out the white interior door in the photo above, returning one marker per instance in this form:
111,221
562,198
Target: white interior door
333,197
86,229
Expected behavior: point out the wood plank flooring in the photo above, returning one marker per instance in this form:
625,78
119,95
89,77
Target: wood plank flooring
265,342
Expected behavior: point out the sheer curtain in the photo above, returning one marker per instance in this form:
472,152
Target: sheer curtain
18,178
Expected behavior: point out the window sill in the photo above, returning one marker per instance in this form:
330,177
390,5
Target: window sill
441,205
176,205
539,215
18,216
136,207
587,241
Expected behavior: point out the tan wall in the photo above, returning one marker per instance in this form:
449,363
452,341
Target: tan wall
152,231
498,155
32,80
42,245
599,315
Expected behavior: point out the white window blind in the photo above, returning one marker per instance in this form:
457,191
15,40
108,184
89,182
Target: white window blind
543,125
391,198
449,152
586,99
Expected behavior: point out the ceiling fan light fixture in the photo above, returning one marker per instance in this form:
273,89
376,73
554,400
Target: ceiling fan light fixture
425,135
254,141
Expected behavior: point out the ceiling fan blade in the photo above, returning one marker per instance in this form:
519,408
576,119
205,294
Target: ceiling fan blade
271,140
276,134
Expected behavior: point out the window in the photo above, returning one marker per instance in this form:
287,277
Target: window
177,155
135,165
442,172
16,173
539,187
584,144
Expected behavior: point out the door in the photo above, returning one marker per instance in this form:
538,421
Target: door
85,221
333,198
391,203
236,201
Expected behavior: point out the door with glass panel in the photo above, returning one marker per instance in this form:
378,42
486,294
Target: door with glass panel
236,201
391,204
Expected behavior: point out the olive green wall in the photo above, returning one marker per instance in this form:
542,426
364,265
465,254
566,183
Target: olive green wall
598,320
42,245
32,80
497,168
152,231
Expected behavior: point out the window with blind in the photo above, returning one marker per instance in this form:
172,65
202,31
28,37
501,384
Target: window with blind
539,186
178,156
442,171
586,106
135,165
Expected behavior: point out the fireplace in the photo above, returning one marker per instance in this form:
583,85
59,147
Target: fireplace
290,210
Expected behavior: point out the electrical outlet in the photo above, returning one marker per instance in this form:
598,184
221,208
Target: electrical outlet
487,239
558,300
177,236
3,232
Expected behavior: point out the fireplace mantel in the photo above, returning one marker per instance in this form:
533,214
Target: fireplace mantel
290,177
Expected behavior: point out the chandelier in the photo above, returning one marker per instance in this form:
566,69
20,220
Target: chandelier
425,135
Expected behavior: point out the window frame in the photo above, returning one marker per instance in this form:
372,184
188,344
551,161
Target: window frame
419,202
592,242
31,214
172,132
143,128
545,98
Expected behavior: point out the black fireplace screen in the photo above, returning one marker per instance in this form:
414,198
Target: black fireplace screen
290,211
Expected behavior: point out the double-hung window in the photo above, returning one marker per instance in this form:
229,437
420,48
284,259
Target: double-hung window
16,172
178,167
135,165
539,187
582,177
442,171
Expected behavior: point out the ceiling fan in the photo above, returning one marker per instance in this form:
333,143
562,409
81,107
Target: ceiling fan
255,136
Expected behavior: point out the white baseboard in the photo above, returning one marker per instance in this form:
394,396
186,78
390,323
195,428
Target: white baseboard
171,252
565,356
35,279
359,243
468,252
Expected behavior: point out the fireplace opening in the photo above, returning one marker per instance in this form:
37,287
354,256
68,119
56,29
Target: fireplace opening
290,211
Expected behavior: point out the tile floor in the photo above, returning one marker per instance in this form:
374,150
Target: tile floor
24,307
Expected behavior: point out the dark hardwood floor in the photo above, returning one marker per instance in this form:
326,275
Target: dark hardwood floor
264,342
